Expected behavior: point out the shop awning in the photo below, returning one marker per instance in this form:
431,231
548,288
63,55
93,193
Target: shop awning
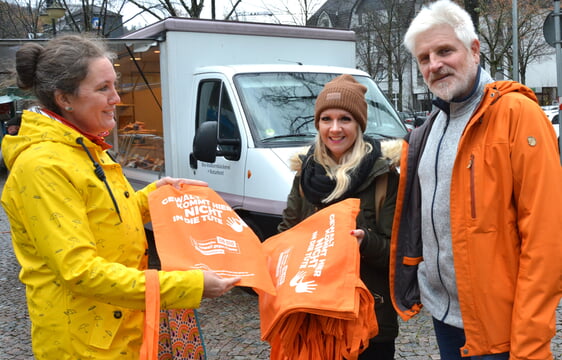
9,98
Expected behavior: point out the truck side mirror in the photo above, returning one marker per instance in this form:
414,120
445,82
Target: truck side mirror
206,145
205,142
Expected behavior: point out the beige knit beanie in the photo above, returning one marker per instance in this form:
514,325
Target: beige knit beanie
343,92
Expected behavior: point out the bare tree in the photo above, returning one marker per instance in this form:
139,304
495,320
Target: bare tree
162,9
495,33
380,34
20,18
294,12
369,57
473,8
79,17
531,42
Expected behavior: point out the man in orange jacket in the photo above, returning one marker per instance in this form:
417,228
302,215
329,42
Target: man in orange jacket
477,235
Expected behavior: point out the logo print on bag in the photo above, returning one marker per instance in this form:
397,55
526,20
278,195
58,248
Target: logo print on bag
282,266
235,224
302,286
216,246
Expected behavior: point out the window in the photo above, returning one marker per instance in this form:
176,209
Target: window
214,104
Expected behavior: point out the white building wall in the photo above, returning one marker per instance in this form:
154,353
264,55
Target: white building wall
542,73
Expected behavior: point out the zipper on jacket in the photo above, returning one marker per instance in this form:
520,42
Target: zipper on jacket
433,221
470,167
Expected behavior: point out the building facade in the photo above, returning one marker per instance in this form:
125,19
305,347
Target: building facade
380,26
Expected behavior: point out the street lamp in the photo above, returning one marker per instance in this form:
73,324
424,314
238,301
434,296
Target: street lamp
54,12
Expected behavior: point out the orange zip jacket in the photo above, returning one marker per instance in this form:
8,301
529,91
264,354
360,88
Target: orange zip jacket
506,203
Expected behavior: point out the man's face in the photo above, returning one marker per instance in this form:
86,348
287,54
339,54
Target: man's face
449,69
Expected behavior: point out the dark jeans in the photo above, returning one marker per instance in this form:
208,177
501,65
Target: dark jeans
450,339
378,351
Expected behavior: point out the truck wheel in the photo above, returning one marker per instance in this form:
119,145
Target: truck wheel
259,233
254,226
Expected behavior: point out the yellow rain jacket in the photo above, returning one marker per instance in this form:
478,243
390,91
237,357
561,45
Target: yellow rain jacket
82,266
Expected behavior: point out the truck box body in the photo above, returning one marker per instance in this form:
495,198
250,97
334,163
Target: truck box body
254,84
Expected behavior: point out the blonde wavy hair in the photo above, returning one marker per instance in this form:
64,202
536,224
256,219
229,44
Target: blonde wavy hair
341,171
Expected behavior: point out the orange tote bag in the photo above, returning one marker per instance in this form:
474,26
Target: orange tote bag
322,309
194,228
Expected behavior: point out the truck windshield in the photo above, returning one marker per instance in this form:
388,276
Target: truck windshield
280,107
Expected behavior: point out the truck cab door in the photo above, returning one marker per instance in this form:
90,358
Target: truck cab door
218,147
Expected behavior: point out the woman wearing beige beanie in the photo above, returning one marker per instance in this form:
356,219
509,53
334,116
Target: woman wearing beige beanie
344,163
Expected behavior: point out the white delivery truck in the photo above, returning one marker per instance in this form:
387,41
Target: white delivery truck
229,103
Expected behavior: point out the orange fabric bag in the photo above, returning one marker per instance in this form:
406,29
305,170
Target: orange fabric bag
322,309
149,348
168,334
194,228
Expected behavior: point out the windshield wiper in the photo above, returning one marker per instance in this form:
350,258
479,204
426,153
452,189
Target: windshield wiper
381,135
286,136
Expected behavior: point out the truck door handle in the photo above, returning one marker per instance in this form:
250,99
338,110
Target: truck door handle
192,161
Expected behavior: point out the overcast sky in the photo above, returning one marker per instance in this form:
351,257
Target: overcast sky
247,7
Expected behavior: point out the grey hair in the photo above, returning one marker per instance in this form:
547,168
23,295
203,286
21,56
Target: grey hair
441,12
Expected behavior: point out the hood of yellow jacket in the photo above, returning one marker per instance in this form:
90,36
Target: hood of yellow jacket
35,128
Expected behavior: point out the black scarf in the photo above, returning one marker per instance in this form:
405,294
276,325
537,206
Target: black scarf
317,185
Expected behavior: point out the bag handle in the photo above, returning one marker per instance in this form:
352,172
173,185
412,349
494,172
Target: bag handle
149,348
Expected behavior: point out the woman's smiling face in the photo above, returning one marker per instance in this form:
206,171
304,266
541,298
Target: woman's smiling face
92,109
338,130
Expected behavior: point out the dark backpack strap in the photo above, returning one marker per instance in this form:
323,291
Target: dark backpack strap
153,258
381,185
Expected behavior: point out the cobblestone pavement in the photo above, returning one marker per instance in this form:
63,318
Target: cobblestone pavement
231,327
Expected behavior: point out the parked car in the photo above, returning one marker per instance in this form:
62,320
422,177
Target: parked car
556,125
550,110
408,118
420,117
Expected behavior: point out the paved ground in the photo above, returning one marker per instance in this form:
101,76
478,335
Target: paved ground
230,324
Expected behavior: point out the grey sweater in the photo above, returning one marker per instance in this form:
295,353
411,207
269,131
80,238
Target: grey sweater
436,273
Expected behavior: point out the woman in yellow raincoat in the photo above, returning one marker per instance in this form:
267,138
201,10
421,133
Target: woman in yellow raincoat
76,223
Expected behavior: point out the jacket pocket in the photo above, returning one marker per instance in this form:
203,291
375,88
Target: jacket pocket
470,168
97,324
106,327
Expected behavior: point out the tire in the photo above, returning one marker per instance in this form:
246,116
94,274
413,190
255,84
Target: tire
254,226
259,233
